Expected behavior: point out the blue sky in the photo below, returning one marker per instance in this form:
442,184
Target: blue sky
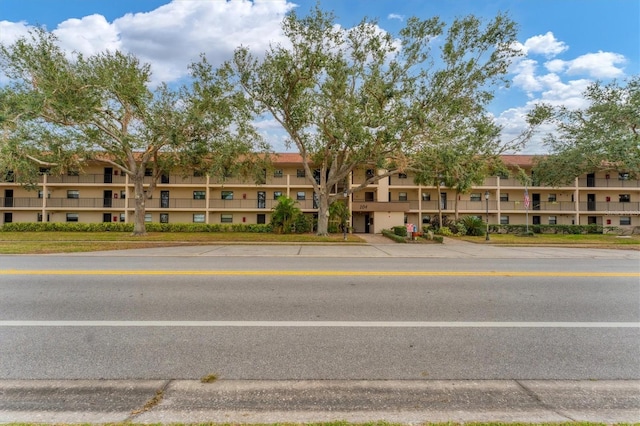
568,43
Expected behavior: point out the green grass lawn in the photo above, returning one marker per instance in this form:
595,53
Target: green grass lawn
70,242
580,240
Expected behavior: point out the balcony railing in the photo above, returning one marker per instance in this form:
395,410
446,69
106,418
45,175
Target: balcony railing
610,207
613,182
87,178
86,203
20,202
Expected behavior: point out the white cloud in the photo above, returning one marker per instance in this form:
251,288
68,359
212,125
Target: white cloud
395,16
12,31
595,65
175,34
546,45
89,35
525,76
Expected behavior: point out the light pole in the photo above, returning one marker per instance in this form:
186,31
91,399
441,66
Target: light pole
344,219
486,198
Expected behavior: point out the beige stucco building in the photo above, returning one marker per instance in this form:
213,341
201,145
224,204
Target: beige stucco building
102,194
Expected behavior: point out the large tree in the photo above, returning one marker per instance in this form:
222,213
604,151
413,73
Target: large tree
359,97
61,110
457,143
604,135
340,96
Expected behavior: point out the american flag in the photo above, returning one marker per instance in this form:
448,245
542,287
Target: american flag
526,199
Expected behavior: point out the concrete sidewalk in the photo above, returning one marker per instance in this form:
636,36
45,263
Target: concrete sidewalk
189,401
375,246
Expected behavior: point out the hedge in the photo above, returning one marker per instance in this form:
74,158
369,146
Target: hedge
548,229
128,227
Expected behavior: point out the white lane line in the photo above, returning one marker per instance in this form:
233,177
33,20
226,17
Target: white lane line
343,324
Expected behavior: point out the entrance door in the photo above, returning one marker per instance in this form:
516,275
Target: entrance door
107,199
164,199
8,217
591,180
262,199
535,201
106,217
443,200
591,202
367,227
8,198
108,175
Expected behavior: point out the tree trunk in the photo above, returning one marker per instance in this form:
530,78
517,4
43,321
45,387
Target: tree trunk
439,205
323,214
140,199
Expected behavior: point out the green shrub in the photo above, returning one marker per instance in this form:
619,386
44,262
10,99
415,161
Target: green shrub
128,227
395,237
474,226
445,231
400,231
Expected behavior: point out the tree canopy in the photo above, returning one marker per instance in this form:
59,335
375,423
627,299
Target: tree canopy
359,97
604,135
61,110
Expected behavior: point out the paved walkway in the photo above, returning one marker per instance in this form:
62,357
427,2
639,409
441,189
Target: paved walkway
250,401
375,246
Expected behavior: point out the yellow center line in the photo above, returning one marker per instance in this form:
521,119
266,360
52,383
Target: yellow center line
326,273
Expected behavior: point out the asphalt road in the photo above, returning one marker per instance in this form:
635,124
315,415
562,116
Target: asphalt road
290,314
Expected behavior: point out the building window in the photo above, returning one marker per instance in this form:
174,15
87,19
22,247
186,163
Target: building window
198,218
198,173
45,171
301,196
72,217
402,175
147,217
426,196
553,220
39,217
123,194
301,173
625,220
261,219
148,172
227,195
402,196
40,194
623,176
73,193
504,220
277,194
476,196
226,218
277,173
624,198
164,217
164,178
552,198
369,173
504,196
121,217
199,195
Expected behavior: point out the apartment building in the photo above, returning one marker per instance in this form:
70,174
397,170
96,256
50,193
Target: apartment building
102,194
